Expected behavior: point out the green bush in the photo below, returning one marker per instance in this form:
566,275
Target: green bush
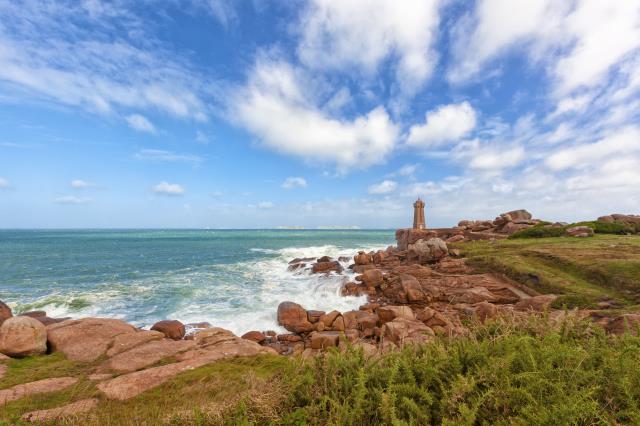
539,231
537,373
616,228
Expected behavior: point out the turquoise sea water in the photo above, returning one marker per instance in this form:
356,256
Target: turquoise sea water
231,278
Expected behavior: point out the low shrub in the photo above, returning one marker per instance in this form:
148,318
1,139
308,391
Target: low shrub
615,228
539,231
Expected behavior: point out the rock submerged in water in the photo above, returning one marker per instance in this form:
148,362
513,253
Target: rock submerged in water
22,336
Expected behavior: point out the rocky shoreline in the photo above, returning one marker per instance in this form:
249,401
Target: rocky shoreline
416,290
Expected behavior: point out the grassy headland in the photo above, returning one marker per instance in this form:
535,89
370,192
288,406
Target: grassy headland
584,271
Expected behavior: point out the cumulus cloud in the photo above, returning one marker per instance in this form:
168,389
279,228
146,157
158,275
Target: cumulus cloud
159,155
362,34
578,42
275,106
384,187
4,183
72,200
168,189
140,123
445,124
294,182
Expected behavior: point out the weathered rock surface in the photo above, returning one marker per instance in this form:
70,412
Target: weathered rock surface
124,342
255,336
371,278
5,312
86,339
32,388
624,323
428,251
390,313
580,231
535,303
58,413
485,310
146,355
325,267
172,329
402,331
22,336
293,317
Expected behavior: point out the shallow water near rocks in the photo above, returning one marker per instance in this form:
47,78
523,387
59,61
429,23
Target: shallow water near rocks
231,278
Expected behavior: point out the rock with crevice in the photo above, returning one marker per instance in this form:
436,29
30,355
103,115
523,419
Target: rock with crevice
86,339
124,342
390,313
40,386
69,410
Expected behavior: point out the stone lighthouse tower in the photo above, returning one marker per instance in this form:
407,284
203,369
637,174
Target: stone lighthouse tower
418,215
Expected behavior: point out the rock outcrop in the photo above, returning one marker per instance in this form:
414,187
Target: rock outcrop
293,317
172,329
5,312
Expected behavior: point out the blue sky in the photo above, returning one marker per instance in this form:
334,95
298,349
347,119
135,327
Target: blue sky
243,114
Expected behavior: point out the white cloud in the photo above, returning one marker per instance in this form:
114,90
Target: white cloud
276,105
4,183
361,34
265,205
497,159
447,123
160,155
407,169
48,52
72,200
169,189
140,123
384,187
80,184
578,42
294,182
623,142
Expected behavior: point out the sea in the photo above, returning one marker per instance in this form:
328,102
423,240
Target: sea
233,279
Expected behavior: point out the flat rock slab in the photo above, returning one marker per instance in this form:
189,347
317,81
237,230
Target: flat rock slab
3,370
69,410
212,345
40,386
146,355
124,342
86,339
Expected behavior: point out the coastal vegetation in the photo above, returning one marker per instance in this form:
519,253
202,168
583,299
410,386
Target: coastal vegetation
538,371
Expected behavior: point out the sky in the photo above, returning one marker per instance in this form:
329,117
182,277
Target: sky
264,113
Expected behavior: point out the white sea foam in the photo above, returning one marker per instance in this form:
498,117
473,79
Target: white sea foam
239,296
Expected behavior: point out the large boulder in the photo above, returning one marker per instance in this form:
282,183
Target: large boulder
580,231
255,336
22,336
5,312
402,331
390,313
428,251
173,329
293,317
326,267
86,339
411,287
518,215
371,278
362,258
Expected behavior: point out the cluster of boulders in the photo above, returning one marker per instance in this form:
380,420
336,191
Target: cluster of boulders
630,220
505,224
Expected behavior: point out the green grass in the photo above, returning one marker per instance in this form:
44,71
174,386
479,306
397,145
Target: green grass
542,230
584,271
507,372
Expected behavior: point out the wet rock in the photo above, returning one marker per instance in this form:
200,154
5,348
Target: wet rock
48,320
69,410
389,313
371,278
325,267
255,336
22,336
314,316
198,325
172,329
32,388
535,303
34,314
328,319
86,339
293,317
5,312
362,258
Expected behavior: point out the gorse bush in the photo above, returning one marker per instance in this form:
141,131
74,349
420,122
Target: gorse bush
539,231
615,228
542,230
539,373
